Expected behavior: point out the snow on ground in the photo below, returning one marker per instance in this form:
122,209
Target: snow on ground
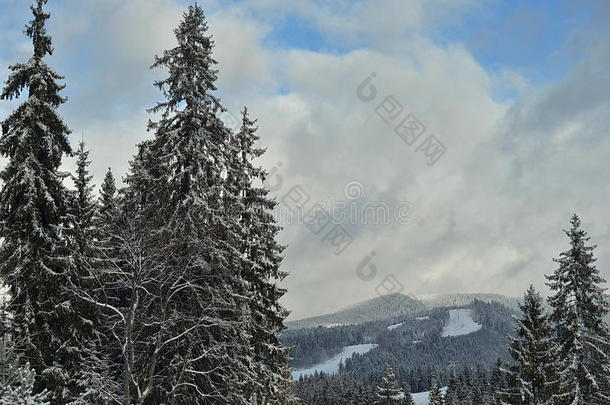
398,325
332,366
421,398
423,318
460,323
333,325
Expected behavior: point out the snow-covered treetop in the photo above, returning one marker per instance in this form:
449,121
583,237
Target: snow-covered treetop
191,67
37,31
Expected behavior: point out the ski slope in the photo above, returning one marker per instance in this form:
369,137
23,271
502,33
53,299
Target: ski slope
460,323
421,398
332,366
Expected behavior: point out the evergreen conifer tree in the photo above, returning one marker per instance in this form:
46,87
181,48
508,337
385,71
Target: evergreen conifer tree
87,285
389,393
534,376
49,328
451,397
107,202
435,397
261,253
81,213
408,397
502,392
579,307
186,212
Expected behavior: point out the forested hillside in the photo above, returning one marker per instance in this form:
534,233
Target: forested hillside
412,345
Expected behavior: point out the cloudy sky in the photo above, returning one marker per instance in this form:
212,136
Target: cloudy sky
515,92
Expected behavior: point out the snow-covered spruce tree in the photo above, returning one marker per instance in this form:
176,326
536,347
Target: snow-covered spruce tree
533,376
389,393
106,216
451,396
408,397
177,191
435,397
107,202
19,387
579,307
261,258
465,391
87,285
484,392
51,332
502,391
81,214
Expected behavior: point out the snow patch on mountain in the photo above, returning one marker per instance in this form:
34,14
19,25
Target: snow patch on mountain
332,366
460,323
421,398
395,326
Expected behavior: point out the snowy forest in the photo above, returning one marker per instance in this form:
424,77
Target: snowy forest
166,291
162,292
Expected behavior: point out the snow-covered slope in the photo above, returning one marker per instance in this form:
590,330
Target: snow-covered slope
460,323
332,366
395,326
421,398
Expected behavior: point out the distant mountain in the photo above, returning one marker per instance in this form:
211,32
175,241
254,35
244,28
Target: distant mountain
384,307
396,305
430,341
465,299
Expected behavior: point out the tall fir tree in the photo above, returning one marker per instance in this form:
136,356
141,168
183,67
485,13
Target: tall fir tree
105,219
452,397
261,259
87,285
502,392
579,307
107,202
81,214
436,396
389,393
177,186
533,377
49,330
408,397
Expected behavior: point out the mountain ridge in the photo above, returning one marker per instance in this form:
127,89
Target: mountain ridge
397,304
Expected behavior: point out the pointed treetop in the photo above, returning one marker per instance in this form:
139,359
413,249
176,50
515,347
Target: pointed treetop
531,295
191,67
193,25
247,124
109,184
82,156
575,232
82,179
37,31
107,192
